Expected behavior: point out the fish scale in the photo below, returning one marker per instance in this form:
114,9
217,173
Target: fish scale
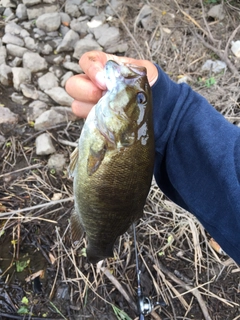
113,164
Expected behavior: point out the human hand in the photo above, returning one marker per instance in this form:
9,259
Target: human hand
88,88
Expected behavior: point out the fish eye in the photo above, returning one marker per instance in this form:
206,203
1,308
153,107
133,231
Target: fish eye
141,98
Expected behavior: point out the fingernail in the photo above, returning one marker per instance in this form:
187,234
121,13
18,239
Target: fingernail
101,79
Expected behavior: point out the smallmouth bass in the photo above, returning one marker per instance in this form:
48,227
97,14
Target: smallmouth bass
113,163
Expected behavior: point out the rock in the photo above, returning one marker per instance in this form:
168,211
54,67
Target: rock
80,26
8,13
13,28
35,12
47,81
65,19
215,66
19,98
217,12
143,17
5,74
60,96
30,43
20,75
21,12
29,91
63,30
44,145
56,161
236,48
8,4
57,71
3,55
99,31
30,3
68,41
45,49
16,62
2,140
24,33
54,116
120,48
7,116
35,109
72,8
64,79
10,38
85,45
16,51
38,33
114,4
34,62
89,9
72,66
110,36
49,21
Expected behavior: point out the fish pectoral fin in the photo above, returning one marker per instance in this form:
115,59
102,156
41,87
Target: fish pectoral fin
95,159
76,226
73,162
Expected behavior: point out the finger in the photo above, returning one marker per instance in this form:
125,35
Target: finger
81,88
81,109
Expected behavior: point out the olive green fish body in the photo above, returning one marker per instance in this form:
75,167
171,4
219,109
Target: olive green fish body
113,166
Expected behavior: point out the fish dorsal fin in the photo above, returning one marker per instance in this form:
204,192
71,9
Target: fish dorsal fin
76,226
95,159
73,162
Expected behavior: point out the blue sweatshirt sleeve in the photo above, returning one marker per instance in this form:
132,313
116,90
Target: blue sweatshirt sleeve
197,160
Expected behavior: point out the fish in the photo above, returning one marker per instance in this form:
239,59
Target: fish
112,166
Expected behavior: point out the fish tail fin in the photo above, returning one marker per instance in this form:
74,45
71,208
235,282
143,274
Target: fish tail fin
95,253
76,226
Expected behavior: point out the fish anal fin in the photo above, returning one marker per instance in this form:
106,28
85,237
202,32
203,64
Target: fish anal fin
76,226
73,161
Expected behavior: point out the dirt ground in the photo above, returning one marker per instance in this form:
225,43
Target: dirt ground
178,266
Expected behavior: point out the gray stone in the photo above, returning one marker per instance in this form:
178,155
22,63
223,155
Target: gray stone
60,96
65,19
80,27
19,98
8,4
20,75
24,33
49,21
99,31
89,9
29,91
68,41
58,59
85,45
16,62
21,11
38,33
53,117
34,62
13,28
44,97
10,38
30,3
72,9
120,48
47,81
57,71
35,109
16,51
63,30
217,12
30,43
45,49
115,4
110,36
44,145
56,161
72,66
3,55
9,14
64,79
215,66
38,11
5,74
7,116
